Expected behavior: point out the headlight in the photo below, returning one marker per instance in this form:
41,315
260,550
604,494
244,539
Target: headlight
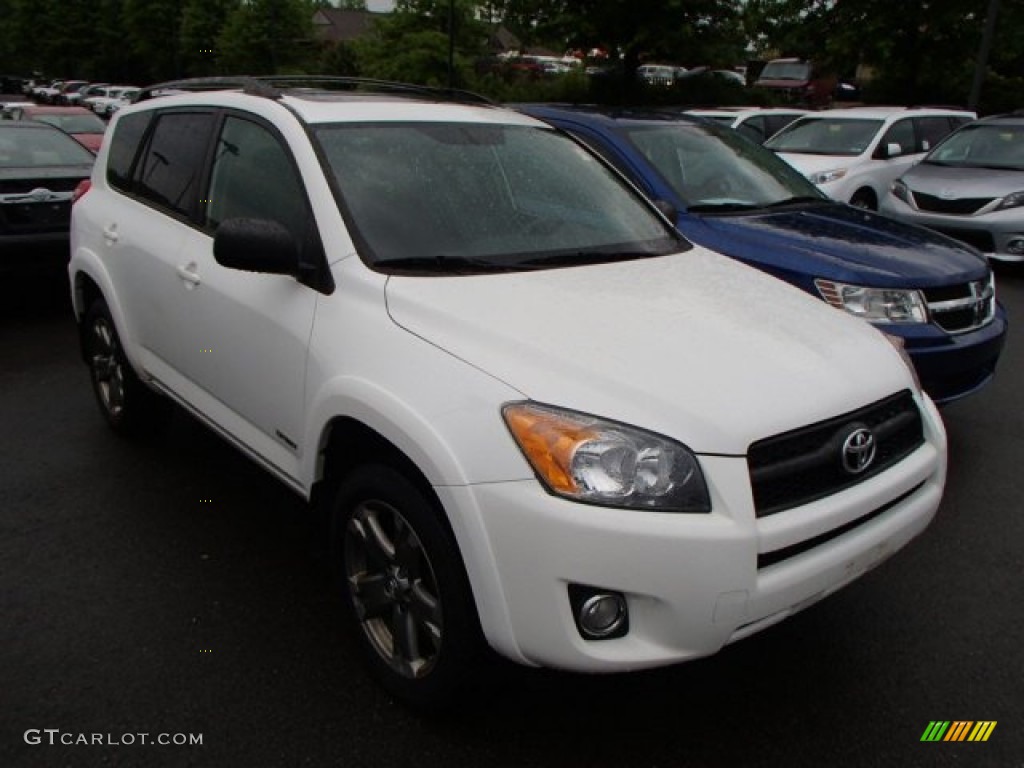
1011,201
899,190
591,460
824,177
877,305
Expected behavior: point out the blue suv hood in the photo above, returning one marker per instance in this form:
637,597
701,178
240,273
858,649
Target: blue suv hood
837,242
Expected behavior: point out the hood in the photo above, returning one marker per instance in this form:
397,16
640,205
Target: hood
90,141
839,242
808,164
694,345
958,183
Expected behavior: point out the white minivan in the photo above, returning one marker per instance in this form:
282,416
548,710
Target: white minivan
854,154
537,419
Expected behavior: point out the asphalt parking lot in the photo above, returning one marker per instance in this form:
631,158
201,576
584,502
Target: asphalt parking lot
170,587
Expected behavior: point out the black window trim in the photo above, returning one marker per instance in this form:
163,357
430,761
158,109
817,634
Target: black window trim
313,256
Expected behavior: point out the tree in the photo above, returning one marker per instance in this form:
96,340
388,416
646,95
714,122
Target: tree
201,25
267,36
151,32
411,44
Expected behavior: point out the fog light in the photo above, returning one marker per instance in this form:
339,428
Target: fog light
600,614
1016,246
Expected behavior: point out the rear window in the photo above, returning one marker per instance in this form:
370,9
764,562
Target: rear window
27,148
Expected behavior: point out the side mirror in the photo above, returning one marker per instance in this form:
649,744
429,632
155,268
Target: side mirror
892,149
256,245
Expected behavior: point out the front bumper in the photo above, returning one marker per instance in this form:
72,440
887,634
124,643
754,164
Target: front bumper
693,583
956,365
991,233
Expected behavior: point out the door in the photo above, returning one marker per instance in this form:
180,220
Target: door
246,334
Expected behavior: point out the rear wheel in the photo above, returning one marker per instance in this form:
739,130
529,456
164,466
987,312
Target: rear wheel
125,402
404,587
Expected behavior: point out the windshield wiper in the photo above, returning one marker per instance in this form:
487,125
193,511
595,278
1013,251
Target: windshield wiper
572,258
441,263
721,207
796,200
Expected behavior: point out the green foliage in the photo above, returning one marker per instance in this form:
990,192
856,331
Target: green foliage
267,37
411,44
922,51
201,24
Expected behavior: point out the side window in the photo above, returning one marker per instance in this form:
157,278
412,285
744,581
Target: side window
754,129
932,130
124,146
253,178
169,173
901,132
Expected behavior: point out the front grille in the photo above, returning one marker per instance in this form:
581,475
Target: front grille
21,186
806,464
962,308
979,238
963,206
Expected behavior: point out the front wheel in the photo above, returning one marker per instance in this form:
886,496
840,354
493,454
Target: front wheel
404,587
864,198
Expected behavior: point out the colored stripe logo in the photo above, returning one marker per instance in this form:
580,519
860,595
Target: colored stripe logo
958,730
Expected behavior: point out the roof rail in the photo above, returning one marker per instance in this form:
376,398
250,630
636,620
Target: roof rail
274,86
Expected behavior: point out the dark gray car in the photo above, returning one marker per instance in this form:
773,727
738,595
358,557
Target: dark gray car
971,187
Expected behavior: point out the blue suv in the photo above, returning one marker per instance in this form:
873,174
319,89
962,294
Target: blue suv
735,197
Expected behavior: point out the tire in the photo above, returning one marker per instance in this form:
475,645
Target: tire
126,403
404,588
864,198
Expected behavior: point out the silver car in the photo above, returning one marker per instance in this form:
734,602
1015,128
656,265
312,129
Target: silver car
971,187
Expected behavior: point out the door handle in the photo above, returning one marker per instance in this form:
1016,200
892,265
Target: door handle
187,272
110,233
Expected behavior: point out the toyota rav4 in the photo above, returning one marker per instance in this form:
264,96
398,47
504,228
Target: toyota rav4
537,418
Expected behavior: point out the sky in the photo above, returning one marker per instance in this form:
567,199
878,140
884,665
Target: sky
380,5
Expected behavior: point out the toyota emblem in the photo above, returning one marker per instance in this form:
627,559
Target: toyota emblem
858,450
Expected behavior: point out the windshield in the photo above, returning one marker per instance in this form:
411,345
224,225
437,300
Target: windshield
786,70
709,167
74,123
982,146
826,136
24,148
426,195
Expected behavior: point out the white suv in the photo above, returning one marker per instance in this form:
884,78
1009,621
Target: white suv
535,415
855,154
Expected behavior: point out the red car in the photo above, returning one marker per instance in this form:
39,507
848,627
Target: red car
84,126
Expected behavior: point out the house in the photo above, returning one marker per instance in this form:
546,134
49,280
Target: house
333,25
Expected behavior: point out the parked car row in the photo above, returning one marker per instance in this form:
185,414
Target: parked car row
939,168
102,98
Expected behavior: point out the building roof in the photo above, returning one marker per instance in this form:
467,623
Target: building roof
342,26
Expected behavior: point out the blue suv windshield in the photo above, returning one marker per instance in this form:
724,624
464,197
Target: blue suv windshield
718,169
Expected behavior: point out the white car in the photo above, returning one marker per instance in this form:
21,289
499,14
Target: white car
854,155
535,416
103,103
756,123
